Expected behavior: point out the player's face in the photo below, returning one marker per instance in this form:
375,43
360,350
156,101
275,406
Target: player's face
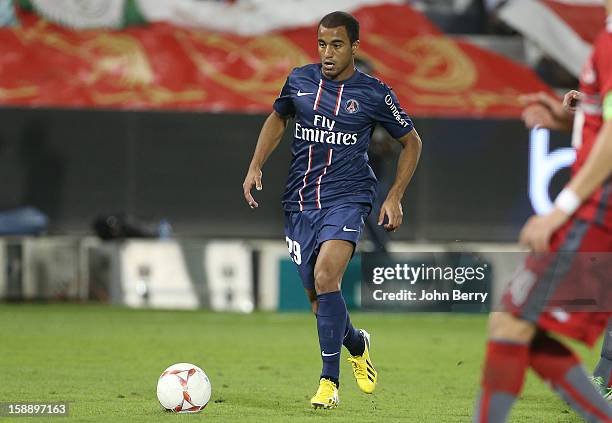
336,52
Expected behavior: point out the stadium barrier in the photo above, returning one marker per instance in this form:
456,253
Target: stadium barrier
220,275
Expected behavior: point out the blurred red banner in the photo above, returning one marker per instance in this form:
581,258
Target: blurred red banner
166,67
586,20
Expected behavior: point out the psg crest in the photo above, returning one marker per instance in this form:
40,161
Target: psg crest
352,106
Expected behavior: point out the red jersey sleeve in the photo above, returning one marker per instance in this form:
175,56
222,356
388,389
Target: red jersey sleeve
603,62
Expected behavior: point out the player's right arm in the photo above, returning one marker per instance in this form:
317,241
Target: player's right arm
269,138
538,230
546,111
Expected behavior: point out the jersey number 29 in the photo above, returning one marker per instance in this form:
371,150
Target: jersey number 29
294,250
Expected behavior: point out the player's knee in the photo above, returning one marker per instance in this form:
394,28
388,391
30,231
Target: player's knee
504,325
326,281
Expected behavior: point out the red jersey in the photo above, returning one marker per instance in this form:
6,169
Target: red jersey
595,84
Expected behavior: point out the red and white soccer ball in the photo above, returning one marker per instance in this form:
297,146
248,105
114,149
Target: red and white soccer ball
183,388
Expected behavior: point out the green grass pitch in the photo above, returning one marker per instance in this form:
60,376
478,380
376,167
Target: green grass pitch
105,362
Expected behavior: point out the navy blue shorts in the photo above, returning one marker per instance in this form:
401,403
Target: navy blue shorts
305,232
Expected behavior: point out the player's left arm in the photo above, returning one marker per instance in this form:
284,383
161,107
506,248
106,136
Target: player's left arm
596,170
406,165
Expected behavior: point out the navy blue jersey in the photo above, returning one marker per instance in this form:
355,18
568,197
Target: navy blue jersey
334,121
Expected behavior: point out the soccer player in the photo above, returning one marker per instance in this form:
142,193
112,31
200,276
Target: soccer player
580,222
546,111
330,187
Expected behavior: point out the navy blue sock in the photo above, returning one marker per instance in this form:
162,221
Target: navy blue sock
353,341
331,324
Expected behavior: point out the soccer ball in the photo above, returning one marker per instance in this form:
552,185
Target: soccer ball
183,388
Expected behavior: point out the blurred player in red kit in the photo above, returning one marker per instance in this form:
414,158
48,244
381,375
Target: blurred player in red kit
581,221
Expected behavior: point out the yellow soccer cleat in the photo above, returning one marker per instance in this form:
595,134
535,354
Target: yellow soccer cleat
365,373
326,396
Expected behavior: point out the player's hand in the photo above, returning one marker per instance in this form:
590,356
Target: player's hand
538,116
571,100
253,178
538,230
392,209
543,110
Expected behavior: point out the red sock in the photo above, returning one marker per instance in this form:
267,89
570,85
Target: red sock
504,373
555,363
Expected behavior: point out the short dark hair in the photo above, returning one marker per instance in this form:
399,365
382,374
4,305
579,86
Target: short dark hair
348,21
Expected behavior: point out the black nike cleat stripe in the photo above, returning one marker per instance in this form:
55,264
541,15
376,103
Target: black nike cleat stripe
371,378
371,372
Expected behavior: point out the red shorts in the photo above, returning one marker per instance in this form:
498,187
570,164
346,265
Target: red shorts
540,290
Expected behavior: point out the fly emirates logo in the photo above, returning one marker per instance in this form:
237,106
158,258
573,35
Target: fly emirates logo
324,132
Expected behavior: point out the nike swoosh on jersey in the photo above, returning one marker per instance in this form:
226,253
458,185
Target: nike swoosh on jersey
345,229
328,355
300,93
